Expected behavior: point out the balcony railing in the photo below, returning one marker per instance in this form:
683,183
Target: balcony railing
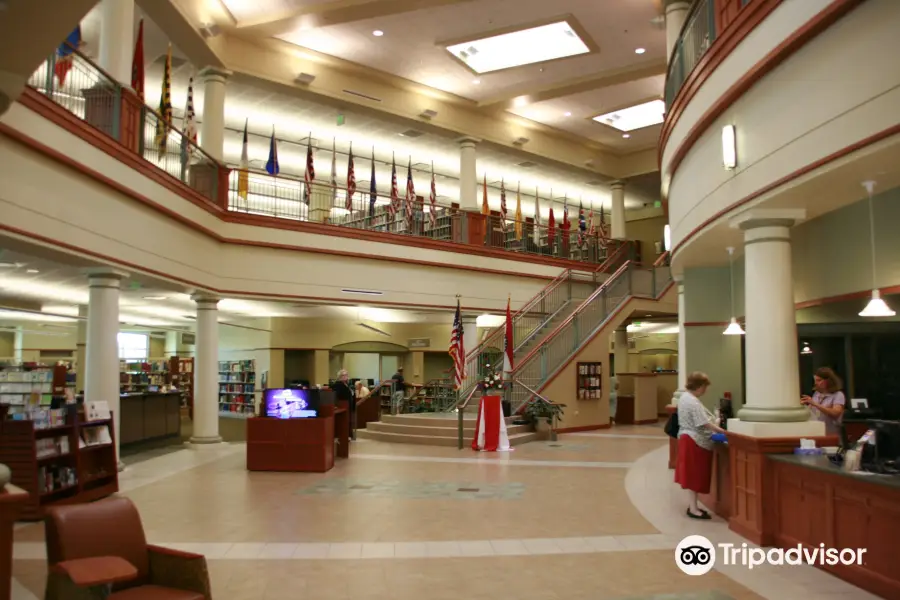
697,35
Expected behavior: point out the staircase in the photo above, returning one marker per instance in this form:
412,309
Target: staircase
436,429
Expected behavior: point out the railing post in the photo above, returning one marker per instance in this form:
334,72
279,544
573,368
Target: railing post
459,425
543,362
576,336
51,73
653,289
117,113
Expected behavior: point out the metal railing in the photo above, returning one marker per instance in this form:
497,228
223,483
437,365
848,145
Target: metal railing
92,95
697,35
559,346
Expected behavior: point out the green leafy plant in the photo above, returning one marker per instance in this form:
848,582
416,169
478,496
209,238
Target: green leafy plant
539,408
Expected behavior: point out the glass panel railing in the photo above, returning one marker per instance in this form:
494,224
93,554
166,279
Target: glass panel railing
697,35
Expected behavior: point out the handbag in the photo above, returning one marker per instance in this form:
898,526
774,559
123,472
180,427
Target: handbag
671,427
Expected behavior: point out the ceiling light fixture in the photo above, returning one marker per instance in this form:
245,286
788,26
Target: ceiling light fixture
375,329
729,148
364,292
518,48
476,81
32,271
876,306
635,117
378,33
626,135
568,114
734,327
806,349
154,297
640,50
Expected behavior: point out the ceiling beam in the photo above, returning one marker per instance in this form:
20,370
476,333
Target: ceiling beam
335,13
181,24
569,87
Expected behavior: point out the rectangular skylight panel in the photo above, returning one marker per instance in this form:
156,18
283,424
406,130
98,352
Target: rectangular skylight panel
524,47
635,117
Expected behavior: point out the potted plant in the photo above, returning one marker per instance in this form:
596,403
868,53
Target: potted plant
544,415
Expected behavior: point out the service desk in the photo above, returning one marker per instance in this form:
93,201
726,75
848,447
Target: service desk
819,503
149,416
12,500
637,399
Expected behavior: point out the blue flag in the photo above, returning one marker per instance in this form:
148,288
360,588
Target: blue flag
373,191
272,163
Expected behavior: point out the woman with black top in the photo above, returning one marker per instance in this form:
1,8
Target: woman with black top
343,391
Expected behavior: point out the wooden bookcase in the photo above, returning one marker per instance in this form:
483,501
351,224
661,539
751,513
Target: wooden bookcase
589,384
94,468
17,383
237,388
137,376
181,375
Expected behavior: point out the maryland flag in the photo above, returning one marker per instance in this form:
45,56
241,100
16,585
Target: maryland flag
164,122
244,172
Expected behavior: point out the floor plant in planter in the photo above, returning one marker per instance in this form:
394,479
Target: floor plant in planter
544,414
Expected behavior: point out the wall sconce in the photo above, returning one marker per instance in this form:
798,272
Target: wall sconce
667,238
729,148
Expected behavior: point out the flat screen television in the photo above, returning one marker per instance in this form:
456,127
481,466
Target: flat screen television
290,403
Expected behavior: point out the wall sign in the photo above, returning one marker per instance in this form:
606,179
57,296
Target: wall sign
419,343
188,339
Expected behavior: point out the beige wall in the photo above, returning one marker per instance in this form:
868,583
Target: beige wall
647,231
325,334
7,344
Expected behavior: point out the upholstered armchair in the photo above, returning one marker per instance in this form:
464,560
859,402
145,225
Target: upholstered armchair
98,551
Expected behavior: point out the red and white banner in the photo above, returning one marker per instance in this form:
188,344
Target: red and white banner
490,427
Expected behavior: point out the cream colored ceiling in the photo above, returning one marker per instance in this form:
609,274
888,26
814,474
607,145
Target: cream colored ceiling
408,71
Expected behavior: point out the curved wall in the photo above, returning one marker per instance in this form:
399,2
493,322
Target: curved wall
839,88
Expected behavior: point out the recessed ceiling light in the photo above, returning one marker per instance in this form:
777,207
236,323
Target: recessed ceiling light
9,265
154,297
626,135
378,33
476,81
32,271
640,50
517,48
568,114
635,117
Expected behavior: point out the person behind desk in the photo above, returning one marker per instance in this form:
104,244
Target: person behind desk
362,392
343,391
827,402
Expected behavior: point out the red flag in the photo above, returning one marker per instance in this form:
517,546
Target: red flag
309,174
137,64
65,54
551,229
394,207
351,181
508,343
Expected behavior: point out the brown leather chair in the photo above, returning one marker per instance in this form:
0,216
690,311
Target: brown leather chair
99,550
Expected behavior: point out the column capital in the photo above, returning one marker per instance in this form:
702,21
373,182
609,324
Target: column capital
767,217
98,275
617,184
468,320
673,5
468,141
210,73
205,300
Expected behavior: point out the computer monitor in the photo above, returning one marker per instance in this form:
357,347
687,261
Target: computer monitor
887,439
290,403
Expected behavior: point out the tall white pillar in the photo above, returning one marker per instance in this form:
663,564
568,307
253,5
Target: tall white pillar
620,349
206,372
212,125
470,333
81,349
101,381
772,407
117,38
618,210
676,13
19,344
468,177
682,341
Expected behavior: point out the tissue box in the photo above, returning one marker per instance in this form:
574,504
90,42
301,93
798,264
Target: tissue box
809,451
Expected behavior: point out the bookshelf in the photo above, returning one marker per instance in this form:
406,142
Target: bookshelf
589,384
237,388
58,457
137,376
31,384
381,221
181,375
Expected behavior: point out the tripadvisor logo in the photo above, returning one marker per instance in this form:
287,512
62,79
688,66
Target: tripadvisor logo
696,555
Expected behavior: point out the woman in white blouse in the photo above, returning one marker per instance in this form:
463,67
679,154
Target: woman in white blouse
696,425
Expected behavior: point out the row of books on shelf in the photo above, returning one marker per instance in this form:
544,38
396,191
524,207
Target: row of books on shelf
155,366
13,375
589,382
52,478
590,394
48,447
236,388
237,366
589,368
43,418
246,409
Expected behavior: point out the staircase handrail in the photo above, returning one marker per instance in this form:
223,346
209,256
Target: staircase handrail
662,260
603,287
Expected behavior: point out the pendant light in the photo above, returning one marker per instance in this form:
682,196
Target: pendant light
734,328
876,306
806,349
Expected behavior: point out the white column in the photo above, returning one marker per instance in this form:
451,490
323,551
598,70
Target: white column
81,348
676,12
117,38
206,372
101,381
618,210
19,344
212,123
470,333
682,341
772,406
620,349
468,177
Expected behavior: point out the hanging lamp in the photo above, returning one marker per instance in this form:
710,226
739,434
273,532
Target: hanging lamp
876,306
734,328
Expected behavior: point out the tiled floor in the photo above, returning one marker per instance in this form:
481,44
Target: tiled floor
592,517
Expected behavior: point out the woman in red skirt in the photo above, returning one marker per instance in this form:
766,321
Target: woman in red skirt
695,428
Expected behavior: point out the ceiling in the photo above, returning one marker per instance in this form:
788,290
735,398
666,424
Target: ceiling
295,114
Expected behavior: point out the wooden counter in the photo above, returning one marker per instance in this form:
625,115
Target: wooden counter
150,416
718,499
818,503
12,499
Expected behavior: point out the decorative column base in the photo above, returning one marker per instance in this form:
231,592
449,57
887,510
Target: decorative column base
757,429
217,439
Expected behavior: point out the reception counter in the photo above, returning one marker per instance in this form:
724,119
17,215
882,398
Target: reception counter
149,416
816,503
638,402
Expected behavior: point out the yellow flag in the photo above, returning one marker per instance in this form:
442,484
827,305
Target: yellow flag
485,209
165,106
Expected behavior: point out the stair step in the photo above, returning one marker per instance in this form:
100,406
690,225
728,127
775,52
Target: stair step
428,440
438,420
468,430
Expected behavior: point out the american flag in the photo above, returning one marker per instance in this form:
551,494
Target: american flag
410,197
603,230
351,181
310,174
591,229
582,224
373,189
394,206
432,200
502,206
458,349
